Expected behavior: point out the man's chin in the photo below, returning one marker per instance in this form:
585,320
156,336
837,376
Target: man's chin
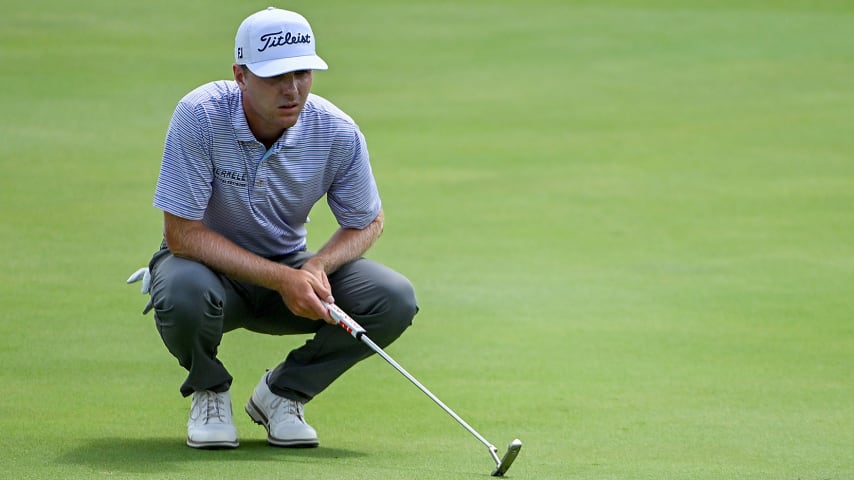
289,120
286,124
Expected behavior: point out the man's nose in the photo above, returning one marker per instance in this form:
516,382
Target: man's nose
288,84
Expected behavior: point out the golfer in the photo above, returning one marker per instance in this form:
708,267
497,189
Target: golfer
243,164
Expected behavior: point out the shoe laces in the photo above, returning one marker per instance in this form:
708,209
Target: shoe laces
210,405
286,408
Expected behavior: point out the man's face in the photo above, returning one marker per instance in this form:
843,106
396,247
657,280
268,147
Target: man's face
272,104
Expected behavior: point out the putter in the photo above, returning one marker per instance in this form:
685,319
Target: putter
502,464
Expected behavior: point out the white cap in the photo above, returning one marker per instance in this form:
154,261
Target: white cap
274,41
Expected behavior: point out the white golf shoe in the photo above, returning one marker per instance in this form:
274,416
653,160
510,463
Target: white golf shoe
211,423
282,417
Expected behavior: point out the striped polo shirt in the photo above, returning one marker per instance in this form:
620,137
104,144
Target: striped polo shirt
215,170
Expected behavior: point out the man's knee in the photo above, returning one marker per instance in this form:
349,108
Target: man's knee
401,297
396,308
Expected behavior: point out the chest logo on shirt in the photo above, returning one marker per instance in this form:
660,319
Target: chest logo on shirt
230,177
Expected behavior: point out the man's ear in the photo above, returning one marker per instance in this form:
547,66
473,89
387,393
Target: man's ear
239,75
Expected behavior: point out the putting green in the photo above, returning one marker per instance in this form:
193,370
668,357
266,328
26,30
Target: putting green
629,224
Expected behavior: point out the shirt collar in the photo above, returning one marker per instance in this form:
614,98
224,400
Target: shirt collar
239,123
291,135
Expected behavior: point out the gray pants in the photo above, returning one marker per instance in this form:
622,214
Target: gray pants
194,306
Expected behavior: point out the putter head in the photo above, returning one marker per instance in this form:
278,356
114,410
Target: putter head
507,460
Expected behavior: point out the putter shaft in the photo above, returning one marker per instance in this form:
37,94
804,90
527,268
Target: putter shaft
358,332
379,351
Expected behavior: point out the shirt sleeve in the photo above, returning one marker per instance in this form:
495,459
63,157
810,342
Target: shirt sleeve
353,196
184,185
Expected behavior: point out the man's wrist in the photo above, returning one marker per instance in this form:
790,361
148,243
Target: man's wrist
316,263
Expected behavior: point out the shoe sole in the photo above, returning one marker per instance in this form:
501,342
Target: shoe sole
212,445
258,417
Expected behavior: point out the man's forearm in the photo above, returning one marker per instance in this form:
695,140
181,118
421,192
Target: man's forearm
195,241
348,244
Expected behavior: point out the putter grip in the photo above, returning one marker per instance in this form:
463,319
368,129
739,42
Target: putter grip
344,321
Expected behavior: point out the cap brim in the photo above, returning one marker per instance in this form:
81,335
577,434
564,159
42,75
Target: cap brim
281,66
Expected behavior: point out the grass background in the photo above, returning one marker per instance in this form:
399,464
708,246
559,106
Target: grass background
629,224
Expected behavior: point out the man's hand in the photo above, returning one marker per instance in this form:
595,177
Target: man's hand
345,245
316,268
303,289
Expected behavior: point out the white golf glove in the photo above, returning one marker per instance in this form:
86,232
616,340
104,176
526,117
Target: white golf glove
144,275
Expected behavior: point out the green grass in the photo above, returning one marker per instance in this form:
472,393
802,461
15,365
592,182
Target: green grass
630,225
